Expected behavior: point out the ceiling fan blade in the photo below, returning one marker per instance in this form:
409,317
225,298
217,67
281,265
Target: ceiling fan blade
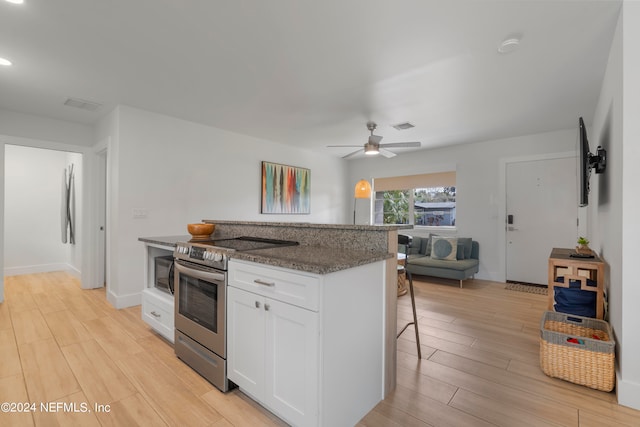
352,154
388,154
401,144
375,139
340,146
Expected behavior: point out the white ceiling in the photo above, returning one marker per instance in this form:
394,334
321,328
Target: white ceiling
312,73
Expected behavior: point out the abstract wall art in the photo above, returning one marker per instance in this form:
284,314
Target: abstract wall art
285,189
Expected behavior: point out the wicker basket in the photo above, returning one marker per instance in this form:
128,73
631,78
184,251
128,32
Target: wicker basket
577,349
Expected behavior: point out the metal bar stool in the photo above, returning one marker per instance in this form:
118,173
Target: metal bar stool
406,242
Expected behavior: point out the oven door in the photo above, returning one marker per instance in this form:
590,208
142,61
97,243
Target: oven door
200,305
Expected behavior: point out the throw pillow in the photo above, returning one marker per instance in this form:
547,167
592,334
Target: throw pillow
465,243
445,248
429,243
424,246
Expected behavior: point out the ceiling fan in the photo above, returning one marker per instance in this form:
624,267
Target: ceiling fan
373,146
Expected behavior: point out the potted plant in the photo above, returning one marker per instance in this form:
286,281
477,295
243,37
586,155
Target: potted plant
583,246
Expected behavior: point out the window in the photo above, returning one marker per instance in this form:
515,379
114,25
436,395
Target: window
421,200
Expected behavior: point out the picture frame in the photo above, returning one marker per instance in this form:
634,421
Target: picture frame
285,189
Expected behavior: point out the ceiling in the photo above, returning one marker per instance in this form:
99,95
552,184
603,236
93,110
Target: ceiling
312,73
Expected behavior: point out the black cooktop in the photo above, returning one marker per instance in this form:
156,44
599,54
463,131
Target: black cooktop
246,243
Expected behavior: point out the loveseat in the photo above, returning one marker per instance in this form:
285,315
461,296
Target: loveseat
442,256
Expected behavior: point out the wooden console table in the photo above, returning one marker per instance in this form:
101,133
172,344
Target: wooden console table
561,264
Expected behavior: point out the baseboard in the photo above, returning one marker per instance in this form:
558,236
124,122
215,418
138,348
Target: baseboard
74,271
124,301
489,275
41,268
628,393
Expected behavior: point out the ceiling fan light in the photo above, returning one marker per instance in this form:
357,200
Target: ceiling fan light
371,150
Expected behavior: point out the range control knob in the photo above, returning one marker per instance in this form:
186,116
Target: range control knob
218,256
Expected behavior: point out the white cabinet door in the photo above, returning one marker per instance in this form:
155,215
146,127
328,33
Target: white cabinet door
273,354
291,362
245,341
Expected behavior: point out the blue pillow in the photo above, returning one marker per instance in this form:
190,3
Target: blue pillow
466,244
445,248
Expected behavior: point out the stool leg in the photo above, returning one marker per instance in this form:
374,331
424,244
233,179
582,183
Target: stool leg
415,317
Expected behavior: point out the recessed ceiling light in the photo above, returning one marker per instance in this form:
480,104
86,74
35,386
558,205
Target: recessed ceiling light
510,44
15,1
5,62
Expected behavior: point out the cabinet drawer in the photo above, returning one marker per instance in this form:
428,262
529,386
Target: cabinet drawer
158,315
280,284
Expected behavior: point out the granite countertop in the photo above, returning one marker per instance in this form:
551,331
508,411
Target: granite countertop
165,240
311,259
365,227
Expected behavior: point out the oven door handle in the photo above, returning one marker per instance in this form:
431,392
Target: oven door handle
198,272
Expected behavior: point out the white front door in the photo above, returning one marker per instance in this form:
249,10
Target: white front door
542,213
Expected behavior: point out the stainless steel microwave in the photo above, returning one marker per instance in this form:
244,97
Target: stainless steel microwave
164,273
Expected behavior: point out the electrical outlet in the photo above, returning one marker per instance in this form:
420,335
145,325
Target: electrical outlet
139,213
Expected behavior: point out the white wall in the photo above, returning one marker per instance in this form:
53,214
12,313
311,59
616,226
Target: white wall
629,390
33,182
181,172
44,129
615,204
478,184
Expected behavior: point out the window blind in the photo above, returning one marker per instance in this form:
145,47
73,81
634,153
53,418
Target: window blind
427,180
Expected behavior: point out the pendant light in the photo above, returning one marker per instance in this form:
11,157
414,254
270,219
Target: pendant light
361,191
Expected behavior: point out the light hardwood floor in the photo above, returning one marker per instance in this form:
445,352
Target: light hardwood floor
480,366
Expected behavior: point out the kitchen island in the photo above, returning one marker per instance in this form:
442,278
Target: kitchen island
373,239
317,344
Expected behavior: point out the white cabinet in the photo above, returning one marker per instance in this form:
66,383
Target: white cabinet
246,341
273,355
301,345
157,311
157,306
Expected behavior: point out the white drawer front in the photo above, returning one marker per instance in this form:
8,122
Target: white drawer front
158,317
280,284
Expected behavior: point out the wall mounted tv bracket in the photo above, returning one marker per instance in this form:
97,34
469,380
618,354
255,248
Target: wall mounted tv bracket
598,160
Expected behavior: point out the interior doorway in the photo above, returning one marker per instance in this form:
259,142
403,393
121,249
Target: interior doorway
86,206
541,213
42,187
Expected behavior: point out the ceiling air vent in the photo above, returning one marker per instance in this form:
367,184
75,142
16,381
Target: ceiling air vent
403,126
82,104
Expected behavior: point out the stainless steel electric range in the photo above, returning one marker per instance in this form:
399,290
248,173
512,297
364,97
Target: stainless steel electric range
200,277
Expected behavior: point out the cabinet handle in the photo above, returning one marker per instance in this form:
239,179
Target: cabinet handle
267,307
156,315
263,282
257,304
